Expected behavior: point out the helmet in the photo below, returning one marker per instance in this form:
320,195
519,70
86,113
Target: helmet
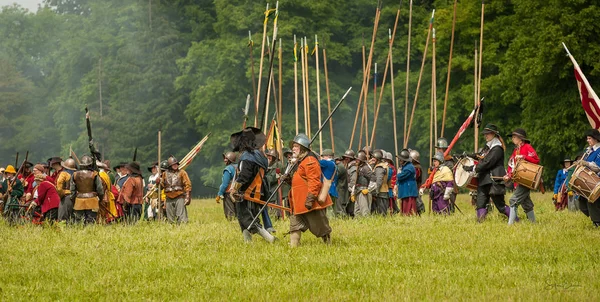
404,155
378,154
327,152
302,140
388,156
10,169
69,164
368,150
349,154
172,161
86,161
287,151
414,154
273,153
439,156
164,165
362,156
231,156
441,143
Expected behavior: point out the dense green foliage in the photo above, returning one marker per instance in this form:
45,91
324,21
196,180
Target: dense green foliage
184,67
427,258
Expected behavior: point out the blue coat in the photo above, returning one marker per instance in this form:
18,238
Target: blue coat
406,181
561,176
228,175
328,168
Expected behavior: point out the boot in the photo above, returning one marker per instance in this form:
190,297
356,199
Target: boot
481,213
597,224
531,216
295,238
266,235
247,236
512,214
327,239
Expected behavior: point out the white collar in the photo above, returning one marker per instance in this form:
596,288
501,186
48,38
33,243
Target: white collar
595,147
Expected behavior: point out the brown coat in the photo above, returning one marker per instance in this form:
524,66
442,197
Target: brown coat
132,191
307,179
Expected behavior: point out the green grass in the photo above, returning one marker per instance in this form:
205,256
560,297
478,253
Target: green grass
399,258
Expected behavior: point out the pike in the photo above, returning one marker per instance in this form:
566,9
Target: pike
293,166
246,111
328,98
296,81
135,154
270,73
449,68
262,57
95,155
250,46
479,67
407,73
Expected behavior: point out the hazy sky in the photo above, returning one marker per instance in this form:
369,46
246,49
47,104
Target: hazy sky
30,4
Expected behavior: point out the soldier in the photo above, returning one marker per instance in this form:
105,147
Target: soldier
591,160
380,191
229,174
406,184
491,165
46,197
415,158
391,179
441,186
121,176
132,192
560,187
272,180
86,191
27,178
63,185
107,210
442,146
359,191
54,163
11,192
342,207
309,212
178,189
330,173
249,188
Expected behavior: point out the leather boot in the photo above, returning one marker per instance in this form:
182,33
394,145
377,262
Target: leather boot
327,239
266,235
295,238
247,236
512,214
531,216
481,213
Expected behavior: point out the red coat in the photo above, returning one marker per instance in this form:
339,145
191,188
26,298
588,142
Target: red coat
528,153
307,179
47,198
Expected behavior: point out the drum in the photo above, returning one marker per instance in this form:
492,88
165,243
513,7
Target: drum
527,174
585,183
463,178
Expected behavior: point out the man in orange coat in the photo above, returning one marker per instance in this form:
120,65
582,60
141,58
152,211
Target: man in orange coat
308,209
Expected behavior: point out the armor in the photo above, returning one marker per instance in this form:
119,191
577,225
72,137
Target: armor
172,161
86,162
378,154
439,157
414,154
231,156
173,182
327,152
349,154
441,143
302,140
287,151
273,153
404,155
84,180
164,165
362,157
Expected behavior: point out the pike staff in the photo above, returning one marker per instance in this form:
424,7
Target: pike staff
251,46
449,68
260,67
316,52
296,82
407,73
479,67
328,99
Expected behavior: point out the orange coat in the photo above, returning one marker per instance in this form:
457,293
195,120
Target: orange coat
307,179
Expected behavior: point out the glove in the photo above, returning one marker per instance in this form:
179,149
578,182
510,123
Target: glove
468,168
353,198
555,197
421,191
395,191
188,199
310,199
218,199
570,193
365,191
32,205
447,193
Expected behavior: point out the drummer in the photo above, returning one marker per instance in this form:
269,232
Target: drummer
521,195
591,159
491,165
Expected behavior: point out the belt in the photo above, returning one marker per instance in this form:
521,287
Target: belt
87,195
171,189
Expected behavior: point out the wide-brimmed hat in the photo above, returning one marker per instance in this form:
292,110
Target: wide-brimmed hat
491,128
520,133
101,165
27,164
594,133
252,136
120,165
154,164
134,167
10,169
54,160
567,159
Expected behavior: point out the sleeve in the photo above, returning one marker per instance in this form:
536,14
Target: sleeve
351,177
313,176
490,160
18,189
99,187
404,174
246,173
187,183
379,176
225,180
60,180
41,193
530,155
73,187
557,181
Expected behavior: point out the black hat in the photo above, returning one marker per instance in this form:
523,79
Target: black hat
252,136
27,164
593,133
154,164
491,128
120,165
134,167
520,133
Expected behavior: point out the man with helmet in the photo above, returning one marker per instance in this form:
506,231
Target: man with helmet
342,206
441,146
359,186
10,192
406,184
415,156
178,189
380,191
329,175
309,205
249,188
229,159
272,177
441,186
391,181
86,191
63,185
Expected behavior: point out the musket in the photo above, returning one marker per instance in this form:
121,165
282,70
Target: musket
292,167
12,183
17,160
246,111
135,154
95,154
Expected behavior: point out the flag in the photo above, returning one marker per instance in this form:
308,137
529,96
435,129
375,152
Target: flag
273,139
589,99
187,159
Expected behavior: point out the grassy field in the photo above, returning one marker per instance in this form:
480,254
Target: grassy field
398,258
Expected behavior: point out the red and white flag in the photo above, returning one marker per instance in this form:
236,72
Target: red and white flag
589,99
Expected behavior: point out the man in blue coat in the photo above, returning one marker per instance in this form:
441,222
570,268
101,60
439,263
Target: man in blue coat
591,159
559,186
229,172
406,184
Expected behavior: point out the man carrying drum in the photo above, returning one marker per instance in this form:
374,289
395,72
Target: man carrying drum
521,195
591,160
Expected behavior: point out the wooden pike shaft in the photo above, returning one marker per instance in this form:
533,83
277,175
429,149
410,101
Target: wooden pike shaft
251,46
328,99
159,159
393,101
307,85
480,51
370,141
434,88
296,83
260,67
270,86
279,100
407,73
318,92
412,115
475,103
358,106
449,69
304,87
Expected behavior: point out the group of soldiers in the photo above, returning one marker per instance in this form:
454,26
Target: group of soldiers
89,191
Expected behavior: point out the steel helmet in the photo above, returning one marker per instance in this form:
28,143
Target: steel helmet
230,156
164,165
287,151
378,154
404,155
439,156
414,154
302,140
86,161
172,161
69,164
362,157
273,153
328,152
349,154
441,143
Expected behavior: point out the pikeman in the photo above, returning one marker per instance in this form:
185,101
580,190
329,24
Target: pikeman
250,181
441,186
224,193
406,184
132,192
342,207
381,200
441,146
11,192
490,165
86,191
63,181
330,173
521,195
359,184
566,199
391,179
309,204
415,157
591,160
178,189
